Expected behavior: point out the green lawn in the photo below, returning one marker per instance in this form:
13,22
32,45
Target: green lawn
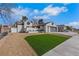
45,42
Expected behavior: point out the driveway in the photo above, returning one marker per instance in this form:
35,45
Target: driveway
67,48
14,45
66,33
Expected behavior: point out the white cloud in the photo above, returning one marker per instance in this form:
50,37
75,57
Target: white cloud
54,11
74,24
41,17
45,13
45,18
20,11
49,10
34,12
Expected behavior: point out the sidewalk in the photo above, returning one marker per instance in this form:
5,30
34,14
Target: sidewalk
67,48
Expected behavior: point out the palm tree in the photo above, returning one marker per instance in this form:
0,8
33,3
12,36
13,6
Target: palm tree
24,18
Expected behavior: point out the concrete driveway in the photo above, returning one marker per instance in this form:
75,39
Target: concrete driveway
14,45
66,33
67,48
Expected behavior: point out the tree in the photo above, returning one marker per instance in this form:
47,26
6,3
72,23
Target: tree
69,28
40,22
24,18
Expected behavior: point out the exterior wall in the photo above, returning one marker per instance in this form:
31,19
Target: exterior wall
14,30
51,28
19,28
32,30
60,28
46,28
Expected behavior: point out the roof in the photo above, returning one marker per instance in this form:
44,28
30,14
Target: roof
19,23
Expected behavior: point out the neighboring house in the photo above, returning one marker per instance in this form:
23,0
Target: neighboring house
61,28
27,26
5,28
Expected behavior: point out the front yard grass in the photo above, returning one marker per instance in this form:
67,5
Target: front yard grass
44,42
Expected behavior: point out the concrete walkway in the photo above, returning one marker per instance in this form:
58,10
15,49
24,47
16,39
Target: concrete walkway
67,48
15,45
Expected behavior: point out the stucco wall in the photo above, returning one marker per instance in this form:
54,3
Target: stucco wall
19,28
13,30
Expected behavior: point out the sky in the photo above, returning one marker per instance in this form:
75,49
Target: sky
59,13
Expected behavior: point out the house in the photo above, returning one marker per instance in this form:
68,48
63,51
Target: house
5,28
51,27
24,25
61,28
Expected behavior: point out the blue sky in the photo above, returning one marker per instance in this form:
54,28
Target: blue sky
59,13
